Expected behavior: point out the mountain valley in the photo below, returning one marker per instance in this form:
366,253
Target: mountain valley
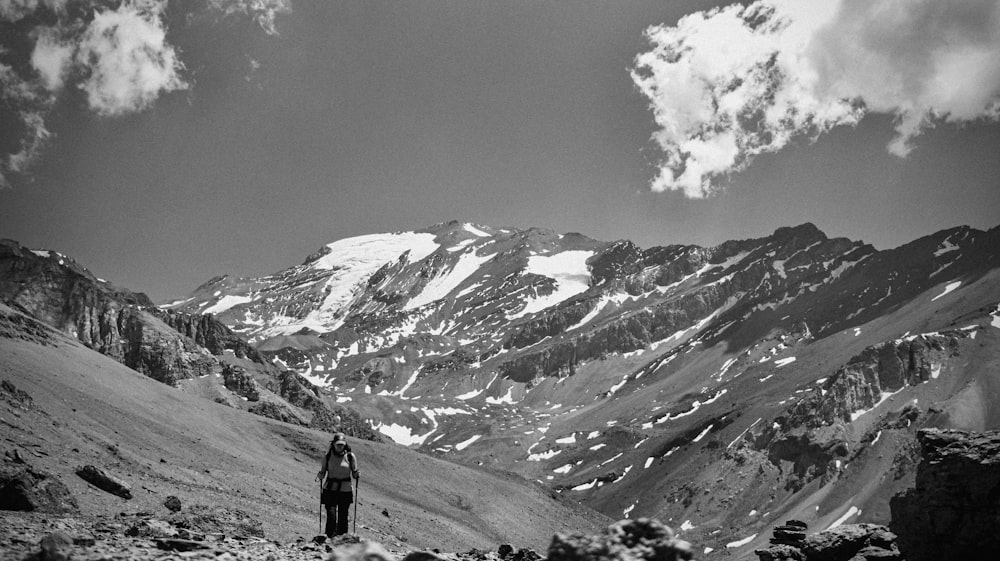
721,390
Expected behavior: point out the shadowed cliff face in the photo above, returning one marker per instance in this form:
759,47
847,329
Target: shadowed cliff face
952,511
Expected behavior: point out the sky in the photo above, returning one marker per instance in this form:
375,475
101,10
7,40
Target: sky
161,142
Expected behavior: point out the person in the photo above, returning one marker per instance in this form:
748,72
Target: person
339,467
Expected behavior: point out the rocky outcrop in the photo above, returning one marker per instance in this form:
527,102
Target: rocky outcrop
342,419
25,488
298,391
208,332
885,368
628,540
239,381
849,542
113,321
276,411
813,433
953,510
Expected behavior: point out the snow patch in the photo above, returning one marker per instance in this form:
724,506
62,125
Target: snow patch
783,361
544,455
475,231
649,462
439,287
850,512
687,525
703,433
568,269
882,399
465,443
950,287
742,542
226,302
469,395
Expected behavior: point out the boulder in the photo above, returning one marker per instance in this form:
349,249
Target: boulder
241,382
365,551
151,528
27,489
849,542
105,481
845,541
626,540
55,547
172,503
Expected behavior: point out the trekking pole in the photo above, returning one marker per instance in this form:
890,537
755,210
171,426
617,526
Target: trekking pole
320,506
357,490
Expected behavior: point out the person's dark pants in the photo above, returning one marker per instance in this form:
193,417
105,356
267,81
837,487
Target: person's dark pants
338,511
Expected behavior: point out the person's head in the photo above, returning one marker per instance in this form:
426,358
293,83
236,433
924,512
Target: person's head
339,442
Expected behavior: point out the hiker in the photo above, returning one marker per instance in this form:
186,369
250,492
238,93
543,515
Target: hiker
339,467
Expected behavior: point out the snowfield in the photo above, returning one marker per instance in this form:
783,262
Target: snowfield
568,269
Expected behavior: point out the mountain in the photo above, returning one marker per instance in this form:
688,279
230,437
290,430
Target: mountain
722,390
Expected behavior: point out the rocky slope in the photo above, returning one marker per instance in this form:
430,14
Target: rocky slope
65,407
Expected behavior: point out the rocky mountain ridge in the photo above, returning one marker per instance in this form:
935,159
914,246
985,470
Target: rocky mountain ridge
782,370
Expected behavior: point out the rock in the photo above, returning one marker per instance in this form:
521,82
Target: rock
788,536
626,540
421,556
172,503
525,554
365,551
218,520
849,542
953,510
104,481
55,547
780,552
151,528
237,379
505,550
27,489
176,544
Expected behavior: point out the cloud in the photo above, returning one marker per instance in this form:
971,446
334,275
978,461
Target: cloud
117,52
730,83
29,103
263,12
126,60
14,10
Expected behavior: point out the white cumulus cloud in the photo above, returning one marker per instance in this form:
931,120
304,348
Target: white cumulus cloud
730,83
117,52
127,60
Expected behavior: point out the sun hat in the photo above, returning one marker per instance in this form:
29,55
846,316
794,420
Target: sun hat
339,437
